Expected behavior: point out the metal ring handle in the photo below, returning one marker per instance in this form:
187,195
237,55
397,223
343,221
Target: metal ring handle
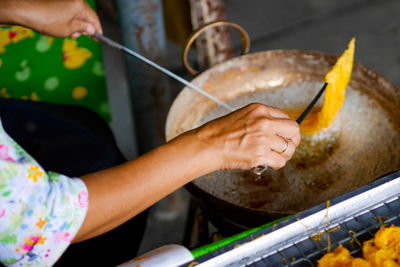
195,34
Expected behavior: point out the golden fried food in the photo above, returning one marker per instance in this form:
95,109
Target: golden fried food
388,237
337,80
381,251
358,262
339,257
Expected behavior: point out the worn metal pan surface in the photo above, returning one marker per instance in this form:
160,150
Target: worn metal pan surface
362,143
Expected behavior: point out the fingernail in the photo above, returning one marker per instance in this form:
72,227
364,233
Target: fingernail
75,35
90,30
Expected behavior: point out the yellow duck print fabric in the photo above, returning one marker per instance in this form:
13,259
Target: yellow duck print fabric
14,35
73,56
59,70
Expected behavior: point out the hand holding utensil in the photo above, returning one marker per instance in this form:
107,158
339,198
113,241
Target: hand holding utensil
260,169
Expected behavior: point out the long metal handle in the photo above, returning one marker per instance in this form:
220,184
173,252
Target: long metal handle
118,46
260,169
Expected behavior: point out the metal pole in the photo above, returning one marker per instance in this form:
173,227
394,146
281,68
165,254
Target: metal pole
142,30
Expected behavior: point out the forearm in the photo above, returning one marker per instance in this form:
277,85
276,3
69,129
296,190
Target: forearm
241,140
10,12
21,12
120,193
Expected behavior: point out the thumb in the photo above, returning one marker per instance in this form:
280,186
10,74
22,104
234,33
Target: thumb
82,27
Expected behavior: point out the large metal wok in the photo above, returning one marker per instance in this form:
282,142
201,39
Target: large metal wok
362,144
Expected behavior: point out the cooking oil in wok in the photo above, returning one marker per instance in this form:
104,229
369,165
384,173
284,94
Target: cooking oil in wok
360,145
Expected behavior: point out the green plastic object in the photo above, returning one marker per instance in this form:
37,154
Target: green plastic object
204,250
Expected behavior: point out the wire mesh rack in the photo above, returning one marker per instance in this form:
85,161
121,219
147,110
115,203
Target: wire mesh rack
350,232
301,240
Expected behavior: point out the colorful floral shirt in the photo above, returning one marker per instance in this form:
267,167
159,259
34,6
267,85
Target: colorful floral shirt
40,212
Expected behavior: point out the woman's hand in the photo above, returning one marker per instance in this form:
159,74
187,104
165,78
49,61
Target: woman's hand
254,135
60,18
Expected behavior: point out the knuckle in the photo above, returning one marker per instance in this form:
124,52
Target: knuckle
76,3
258,108
258,124
257,105
274,109
263,124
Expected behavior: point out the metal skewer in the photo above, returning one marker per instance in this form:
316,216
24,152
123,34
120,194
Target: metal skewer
118,46
260,169
257,170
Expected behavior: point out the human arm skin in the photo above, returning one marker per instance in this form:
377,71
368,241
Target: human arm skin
60,18
251,136
244,139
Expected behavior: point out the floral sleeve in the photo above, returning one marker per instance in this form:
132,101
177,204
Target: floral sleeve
40,212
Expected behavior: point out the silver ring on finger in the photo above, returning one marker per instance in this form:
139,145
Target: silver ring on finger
285,147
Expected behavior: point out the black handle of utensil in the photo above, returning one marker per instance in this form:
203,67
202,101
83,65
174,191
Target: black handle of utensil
311,105
260,169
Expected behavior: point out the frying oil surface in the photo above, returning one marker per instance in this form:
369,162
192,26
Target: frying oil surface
360,145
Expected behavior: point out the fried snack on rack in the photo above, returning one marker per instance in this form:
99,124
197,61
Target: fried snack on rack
337,80
358,262
339,257
384,249
381,251
389,237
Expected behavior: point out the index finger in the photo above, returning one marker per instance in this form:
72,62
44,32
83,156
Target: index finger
90,16
278,113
